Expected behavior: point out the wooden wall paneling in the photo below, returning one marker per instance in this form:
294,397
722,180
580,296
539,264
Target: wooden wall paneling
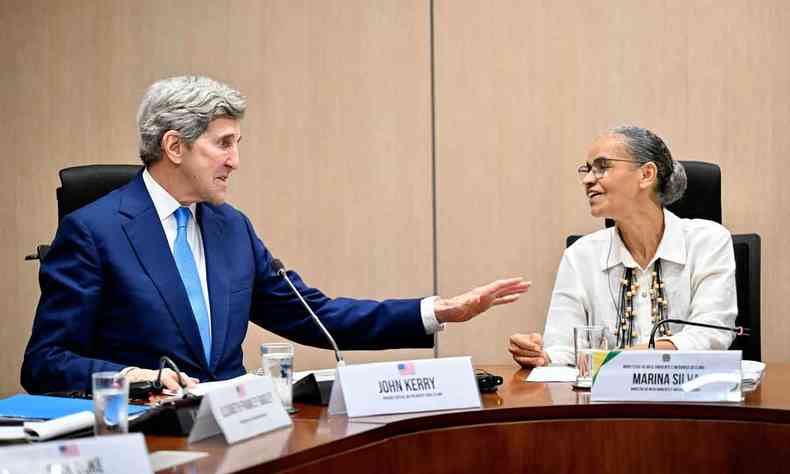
336,154
523,88
339,183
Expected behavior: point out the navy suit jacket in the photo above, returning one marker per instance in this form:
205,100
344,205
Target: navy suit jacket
112,297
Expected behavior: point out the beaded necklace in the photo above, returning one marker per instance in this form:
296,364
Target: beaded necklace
626,333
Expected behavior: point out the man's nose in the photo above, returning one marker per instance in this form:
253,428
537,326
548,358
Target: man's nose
233,158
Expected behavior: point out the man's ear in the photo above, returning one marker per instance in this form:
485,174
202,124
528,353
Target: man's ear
649,176
173,146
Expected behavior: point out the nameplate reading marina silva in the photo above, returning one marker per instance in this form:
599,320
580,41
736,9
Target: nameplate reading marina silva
667,376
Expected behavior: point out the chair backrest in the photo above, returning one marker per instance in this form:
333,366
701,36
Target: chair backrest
747,283
702,199
81,185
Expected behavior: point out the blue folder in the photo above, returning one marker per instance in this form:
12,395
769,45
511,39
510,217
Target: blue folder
41,407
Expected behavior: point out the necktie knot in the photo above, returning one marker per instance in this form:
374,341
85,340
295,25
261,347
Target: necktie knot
182,217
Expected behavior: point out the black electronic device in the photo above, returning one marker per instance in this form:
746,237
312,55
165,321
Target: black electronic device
487,382
312,391
174,417
143,390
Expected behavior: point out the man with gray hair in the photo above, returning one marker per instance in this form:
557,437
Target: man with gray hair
164,267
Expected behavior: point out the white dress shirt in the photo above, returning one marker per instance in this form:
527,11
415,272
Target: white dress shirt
166,206
697,267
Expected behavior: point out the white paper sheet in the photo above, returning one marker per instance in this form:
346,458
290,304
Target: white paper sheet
44,430
161,460
752,374
552,373
205,387
12,433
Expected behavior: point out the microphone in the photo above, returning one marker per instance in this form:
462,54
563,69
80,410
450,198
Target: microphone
279,268
738,330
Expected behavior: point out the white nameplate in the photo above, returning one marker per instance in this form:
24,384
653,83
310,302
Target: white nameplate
120,454
667,376
401,387
240,411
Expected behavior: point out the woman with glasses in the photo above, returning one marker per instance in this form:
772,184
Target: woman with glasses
652,265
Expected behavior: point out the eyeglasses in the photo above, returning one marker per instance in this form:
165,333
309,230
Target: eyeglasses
599,167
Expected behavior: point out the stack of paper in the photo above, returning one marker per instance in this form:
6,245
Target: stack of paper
751,374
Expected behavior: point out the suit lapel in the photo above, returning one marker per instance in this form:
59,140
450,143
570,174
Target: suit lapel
211,228
147,237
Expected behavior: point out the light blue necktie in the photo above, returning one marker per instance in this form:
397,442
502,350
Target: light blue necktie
185,262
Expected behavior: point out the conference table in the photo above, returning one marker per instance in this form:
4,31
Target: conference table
523,427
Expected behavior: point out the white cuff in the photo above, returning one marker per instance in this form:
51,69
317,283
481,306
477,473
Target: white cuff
429,321
124,372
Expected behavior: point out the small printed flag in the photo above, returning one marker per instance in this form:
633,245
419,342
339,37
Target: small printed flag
69,450
406,368
240,390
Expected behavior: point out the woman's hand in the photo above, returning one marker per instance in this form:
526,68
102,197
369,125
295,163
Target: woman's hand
527,350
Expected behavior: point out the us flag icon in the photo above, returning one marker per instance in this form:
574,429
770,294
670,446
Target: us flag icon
69,450
406,368
240,390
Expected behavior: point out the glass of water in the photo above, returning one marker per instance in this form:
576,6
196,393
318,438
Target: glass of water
586,341
277,361
110,403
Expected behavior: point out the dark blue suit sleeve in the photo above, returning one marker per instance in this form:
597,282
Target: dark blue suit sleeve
65,323
354,323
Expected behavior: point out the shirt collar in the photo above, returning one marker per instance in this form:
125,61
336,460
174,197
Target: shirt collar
672,246
164,203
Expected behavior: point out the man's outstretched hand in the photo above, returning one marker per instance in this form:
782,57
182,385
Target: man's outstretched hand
478,300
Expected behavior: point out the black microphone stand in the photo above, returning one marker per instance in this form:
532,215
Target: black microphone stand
309,389
738,330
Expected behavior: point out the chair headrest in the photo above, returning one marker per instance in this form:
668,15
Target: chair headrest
702,199
81,185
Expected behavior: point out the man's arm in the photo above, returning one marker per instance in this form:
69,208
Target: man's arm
358,323
65,323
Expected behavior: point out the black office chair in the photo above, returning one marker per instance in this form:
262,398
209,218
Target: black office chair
699,201
81,185
747,284
702,200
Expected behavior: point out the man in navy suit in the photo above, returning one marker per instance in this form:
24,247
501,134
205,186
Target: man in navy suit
163,266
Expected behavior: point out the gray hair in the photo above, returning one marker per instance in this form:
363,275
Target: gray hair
647,147
185,104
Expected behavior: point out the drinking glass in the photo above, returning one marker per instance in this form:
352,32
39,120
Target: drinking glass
586,341
110,403
277,361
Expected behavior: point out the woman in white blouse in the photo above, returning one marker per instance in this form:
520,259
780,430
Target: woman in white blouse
651,266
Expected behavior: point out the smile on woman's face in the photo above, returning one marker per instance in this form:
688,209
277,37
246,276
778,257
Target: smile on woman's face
613,180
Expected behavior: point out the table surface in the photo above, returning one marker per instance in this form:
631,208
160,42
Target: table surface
315,434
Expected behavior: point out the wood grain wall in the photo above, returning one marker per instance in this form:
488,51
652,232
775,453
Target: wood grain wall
524,87
336,159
